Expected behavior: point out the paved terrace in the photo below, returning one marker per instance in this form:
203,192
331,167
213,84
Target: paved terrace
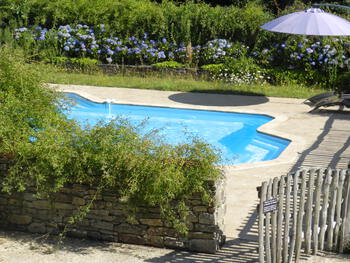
317,139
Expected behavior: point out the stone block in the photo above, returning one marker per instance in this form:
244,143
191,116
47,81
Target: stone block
41,214
131,239
201,235
162,231
108,205
192,217
66,190
108,232
59,205
109,198
14,202
211,210
79,188
130,229
37,228
195,202
99,212
20,219
99,205
61,197
157,241
77,233
28,197
78,201
3,201
205,228
94,235
203,245
173,242
200,208
104,225
151,222
108,218
110,238
41,204
117,212
149,215
64,212
206,218
155,210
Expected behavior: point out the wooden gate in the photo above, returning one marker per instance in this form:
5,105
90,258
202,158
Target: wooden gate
306,211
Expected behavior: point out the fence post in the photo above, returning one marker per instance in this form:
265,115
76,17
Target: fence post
346,226
262,194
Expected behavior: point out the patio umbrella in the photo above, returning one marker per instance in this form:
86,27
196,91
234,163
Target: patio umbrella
313,21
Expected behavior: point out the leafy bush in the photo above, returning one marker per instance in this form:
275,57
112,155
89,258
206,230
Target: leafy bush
319,61
213,68
168,64
343,82
48,150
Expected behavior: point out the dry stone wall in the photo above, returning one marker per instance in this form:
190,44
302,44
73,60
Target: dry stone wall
108,218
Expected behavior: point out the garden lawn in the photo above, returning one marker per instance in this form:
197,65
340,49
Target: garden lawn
173,83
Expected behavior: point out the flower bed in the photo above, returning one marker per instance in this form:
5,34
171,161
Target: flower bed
305,60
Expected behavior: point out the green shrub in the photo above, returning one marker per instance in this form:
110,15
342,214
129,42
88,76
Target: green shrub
168,64
343,82
81,64
57,60
213,69
48,150
281,76
84,64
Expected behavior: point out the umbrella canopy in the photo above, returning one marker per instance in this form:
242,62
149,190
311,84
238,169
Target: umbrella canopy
313,21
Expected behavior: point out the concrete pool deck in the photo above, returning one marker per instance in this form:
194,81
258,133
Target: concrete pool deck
292,121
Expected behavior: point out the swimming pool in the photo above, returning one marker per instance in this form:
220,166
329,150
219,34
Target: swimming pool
233,134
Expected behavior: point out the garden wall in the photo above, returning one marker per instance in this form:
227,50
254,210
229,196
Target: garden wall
108,218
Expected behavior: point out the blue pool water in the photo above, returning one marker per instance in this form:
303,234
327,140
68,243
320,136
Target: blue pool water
233,134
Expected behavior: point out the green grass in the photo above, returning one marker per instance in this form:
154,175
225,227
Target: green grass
172,83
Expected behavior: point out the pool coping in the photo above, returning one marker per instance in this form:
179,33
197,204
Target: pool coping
287,156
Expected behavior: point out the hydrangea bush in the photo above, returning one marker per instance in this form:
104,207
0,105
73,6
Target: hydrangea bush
318,61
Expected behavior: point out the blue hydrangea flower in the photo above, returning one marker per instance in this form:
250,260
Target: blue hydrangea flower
309,50
161,54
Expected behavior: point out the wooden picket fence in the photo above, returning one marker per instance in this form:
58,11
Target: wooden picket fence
303,212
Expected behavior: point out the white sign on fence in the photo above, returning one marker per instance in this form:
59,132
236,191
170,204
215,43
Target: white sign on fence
270,205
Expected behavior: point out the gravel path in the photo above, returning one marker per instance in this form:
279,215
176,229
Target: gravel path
18,247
